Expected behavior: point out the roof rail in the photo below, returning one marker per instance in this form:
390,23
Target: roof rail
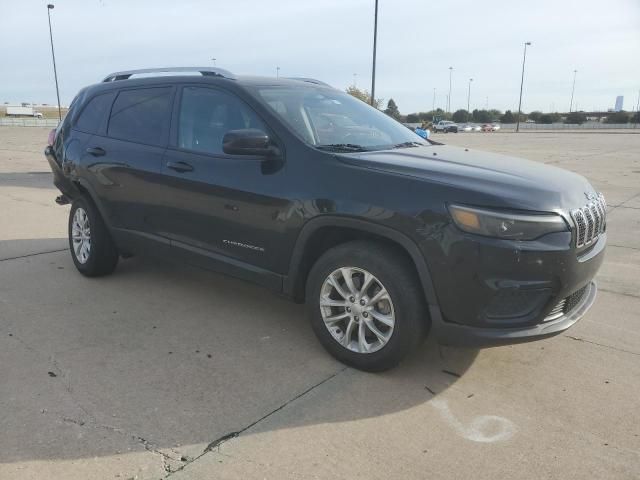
205,71
310,80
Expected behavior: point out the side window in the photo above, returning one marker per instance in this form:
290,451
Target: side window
94,112
141,115
207,114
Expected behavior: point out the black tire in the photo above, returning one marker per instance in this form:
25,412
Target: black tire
398,276
102,256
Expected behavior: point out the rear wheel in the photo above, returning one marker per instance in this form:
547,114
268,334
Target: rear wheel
92,249
366,305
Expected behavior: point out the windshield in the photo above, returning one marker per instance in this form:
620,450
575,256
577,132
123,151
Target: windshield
333,120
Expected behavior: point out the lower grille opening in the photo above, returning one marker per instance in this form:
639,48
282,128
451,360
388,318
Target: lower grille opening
565,305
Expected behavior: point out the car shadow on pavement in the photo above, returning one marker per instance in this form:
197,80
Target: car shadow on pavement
166,356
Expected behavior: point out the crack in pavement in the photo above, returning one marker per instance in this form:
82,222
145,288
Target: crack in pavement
228,436
632,295
578,339
33,254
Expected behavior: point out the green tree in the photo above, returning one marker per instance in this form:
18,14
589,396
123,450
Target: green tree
413,118
575,118
636,118
392,109
364,95
508,117
618,117
460,116
549,118
535,116
481,116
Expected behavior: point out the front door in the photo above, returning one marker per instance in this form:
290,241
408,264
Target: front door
227,209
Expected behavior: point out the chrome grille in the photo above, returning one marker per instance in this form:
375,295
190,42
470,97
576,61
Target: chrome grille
590,221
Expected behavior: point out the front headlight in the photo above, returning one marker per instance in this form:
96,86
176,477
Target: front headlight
513,226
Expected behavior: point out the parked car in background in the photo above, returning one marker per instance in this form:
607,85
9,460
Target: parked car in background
476,128
312,193
465,128
496,126
446,126
490,127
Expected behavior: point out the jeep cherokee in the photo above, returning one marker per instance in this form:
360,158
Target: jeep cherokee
310,192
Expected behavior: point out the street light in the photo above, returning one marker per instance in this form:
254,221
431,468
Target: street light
53,56
373,70
277,72
524,59
469,97
433,107
449,96
214,61
573,89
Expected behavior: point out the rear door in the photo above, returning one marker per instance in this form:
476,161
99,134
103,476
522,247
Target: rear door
126,160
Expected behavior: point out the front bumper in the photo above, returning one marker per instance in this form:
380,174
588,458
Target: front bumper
466,336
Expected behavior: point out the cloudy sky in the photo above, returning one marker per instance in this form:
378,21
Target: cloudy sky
331,40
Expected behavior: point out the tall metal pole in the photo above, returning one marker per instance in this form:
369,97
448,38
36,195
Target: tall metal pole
433,106
214,61
373,71
469,98
53,56
573,89
524,59
449,97
277,72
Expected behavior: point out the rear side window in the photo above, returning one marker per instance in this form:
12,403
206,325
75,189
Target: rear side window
92,116
141,115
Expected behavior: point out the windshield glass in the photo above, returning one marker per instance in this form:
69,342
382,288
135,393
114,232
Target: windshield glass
334,120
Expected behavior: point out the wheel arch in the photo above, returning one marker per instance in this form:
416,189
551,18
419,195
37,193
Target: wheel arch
328,231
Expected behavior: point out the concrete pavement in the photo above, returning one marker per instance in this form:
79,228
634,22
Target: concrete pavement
162,370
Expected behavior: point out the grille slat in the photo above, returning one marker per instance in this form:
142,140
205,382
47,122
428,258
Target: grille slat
566,305
590,221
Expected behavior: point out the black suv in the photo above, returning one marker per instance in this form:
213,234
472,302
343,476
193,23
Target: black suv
310,192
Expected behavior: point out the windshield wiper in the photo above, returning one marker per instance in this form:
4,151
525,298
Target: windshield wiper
407,144
346,147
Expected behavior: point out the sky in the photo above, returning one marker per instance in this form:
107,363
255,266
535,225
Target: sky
418,40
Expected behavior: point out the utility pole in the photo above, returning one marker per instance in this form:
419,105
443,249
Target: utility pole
277,72
449,96
53,56
573,89
373,70
524,59
433,105
469,98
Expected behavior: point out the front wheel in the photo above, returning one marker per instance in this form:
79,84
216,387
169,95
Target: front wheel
366,305
92,249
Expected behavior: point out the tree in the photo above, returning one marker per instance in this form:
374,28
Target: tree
535,116
482,116
413,118
460,116
392,109
575,118
618,117
364,95
636,118
549,118
508,117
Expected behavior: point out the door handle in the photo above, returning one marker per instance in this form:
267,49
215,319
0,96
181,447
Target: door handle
96,151
179,166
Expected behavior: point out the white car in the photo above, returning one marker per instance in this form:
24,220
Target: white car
476,128
465,128
446,126
496,127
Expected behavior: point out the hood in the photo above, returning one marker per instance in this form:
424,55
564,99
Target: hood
510,181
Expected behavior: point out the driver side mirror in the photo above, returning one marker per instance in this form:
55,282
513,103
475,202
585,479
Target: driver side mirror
248,141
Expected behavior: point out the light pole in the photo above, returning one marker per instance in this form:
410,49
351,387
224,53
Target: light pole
277,72
524,59
53,56
469,98
214,61
373,70
449,96
573,89
433,106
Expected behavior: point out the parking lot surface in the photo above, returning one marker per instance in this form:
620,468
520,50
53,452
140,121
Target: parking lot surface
163,370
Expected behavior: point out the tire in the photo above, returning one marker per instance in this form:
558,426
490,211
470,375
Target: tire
99,255
403,309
